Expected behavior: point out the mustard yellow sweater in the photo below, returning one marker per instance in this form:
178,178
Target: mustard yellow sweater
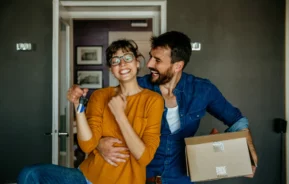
144,111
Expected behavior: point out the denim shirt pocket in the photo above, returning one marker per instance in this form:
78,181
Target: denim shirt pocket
192,120
196,115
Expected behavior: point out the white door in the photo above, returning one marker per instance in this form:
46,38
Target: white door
62,133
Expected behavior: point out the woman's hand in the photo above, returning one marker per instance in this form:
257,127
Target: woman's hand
74,93
117,105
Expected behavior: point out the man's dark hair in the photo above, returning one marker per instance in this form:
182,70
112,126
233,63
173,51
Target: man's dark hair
125,45
179,43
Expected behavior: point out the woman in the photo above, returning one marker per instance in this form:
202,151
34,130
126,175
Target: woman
127,112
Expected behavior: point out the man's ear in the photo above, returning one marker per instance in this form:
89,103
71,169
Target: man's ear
179,66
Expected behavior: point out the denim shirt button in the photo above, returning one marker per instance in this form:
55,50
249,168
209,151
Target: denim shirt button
198,116
181,115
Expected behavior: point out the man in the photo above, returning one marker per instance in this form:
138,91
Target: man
187,98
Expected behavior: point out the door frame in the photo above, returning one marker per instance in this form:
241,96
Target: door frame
159,18
287,87
55,82
59,16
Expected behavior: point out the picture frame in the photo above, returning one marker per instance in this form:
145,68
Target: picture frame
89,79
89,55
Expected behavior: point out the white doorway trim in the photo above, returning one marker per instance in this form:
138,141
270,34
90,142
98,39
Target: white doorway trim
154,15
287,86
158,16
59,16
55,82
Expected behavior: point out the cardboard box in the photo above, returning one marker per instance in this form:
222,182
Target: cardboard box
218,156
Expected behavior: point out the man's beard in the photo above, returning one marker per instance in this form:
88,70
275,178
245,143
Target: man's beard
163,77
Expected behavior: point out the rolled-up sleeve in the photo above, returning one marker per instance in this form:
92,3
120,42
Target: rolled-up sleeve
241,124
151,136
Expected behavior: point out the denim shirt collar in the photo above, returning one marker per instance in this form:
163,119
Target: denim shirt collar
179,88
181,84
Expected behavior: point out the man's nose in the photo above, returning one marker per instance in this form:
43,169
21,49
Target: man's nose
150,63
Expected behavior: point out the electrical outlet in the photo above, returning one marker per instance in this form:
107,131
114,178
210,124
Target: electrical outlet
196,46
23,46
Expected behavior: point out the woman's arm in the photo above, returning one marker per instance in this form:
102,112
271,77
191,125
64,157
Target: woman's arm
89,124
83,130
142,149
152,132
117,106
133,141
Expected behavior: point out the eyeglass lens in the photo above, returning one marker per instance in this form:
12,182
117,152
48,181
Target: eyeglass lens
127,57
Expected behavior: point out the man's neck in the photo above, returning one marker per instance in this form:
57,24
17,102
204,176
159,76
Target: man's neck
168,88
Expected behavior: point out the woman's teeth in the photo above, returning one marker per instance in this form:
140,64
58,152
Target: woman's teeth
124,71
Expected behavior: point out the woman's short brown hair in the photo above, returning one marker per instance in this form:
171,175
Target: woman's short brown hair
123,44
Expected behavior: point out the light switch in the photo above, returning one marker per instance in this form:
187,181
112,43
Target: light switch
196,46
23,46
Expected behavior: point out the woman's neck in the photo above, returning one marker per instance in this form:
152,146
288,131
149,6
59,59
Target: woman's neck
129,88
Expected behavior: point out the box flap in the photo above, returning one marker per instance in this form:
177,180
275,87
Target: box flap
215,137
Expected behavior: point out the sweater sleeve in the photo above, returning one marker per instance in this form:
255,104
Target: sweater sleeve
94,115
151,136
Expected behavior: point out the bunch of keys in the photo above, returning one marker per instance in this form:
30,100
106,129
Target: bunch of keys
82,103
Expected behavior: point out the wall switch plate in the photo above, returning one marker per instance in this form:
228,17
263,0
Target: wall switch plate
23,46
196,46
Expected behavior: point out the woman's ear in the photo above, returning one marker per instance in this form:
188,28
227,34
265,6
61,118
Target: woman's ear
138,64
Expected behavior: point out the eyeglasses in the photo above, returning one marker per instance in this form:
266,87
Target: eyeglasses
127,57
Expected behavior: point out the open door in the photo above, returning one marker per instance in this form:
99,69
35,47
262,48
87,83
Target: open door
62,130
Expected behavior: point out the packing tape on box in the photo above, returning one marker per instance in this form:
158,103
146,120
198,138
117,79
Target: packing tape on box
221,171
218,146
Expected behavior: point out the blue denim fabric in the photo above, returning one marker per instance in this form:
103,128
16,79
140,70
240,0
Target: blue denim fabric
239,125
50,174
195,97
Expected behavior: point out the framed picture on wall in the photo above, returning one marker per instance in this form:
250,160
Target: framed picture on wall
89,79
89,55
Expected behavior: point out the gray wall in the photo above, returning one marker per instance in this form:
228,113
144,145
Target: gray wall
243,54
26,85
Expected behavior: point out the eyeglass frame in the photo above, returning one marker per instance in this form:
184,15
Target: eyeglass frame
121,58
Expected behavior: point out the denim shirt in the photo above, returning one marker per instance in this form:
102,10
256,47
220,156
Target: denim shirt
195,97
